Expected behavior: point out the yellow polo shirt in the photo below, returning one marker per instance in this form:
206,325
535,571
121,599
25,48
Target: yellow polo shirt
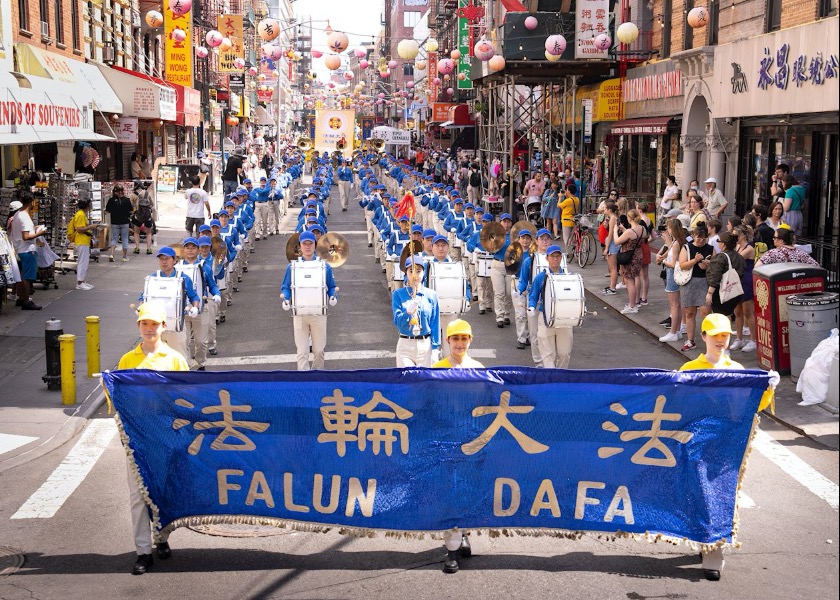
82,237
702,363
467,363
165,359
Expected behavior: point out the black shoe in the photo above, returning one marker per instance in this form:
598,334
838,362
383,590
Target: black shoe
252,250
475,298
143,564
370,245
239,279
163,549
500,324
666,323
343,210
711,574
236,289
222,319
198,369
481,311
450,565
18,302
527,342
31,306
465,550
520,345
244,270
507,321
213,351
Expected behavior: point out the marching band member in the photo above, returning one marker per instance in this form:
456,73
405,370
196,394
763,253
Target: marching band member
532,265
470,225
276,202
204,243
428,236
198,327
345,183
239,224
555,342
484,287
454,221
259,196
459,338
440,253
520,303
309,327
416,316
177,340
230,235
501,280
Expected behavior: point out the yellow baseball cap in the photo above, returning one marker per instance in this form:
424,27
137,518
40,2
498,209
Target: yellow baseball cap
716,323
458,327
152,311
784,226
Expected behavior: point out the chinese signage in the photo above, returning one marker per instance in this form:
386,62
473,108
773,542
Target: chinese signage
236,82
230,26
494,445
465,45
795,70
431,69
178,54
124,128
592,18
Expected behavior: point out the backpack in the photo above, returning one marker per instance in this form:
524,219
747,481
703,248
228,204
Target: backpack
71,230
143,214
475,179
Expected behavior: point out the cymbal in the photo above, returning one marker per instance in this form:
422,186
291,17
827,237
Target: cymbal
293,248
179,249
513,258
492,237
519,226
333,249
218,248
411,248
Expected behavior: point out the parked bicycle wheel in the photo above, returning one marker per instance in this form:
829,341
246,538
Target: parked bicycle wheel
583,251
593,246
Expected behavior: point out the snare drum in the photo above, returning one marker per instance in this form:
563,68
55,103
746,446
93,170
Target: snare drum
483,264
309,287
449,280
565,304
170,291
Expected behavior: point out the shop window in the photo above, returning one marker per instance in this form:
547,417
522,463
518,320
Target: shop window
23,11
828,8
774,15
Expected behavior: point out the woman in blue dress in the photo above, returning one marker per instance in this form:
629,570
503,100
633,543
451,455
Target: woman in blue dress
550,210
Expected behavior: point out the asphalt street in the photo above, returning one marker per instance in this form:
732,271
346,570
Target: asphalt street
788,524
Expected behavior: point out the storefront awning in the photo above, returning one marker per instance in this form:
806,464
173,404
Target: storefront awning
141,97
651,126
459,116
261,117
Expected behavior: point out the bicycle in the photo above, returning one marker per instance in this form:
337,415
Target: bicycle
583,241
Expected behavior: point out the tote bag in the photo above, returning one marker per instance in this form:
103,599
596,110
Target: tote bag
730,283
681,276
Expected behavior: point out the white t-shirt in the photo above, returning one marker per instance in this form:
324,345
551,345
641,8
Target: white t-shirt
196,197
22,222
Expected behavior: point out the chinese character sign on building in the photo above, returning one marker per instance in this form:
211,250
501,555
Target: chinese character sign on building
465,45
230,26
494,446
592,18
178,52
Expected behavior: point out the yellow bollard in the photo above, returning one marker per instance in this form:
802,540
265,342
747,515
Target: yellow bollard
67,351
93,350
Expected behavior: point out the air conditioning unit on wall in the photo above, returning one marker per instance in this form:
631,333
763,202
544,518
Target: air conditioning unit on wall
45,33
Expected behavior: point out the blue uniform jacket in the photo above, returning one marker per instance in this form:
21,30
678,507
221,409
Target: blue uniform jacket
428,313
286,287
188,283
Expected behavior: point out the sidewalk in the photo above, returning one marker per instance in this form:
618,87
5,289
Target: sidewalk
33,420
814,421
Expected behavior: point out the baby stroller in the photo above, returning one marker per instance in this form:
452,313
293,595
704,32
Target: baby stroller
45,259
533,208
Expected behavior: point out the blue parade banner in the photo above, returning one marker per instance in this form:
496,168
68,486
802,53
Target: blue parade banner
632,452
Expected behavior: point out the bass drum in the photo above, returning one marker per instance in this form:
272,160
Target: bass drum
565,303
309,287
170,291
483,264
449,280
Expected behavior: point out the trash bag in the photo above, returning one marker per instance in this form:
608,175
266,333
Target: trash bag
813,381
44,255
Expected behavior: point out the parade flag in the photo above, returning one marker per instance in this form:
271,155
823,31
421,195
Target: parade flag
406,206
646,454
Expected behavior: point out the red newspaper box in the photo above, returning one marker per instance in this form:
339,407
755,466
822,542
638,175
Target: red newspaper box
772,284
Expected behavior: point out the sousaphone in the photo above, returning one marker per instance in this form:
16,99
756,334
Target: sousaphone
333,249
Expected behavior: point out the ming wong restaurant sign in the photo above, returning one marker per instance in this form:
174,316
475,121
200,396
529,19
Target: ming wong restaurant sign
178,54
635,452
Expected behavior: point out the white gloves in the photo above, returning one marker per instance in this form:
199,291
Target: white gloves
217,298
238,247
192,311
774,379
333,300
531,311
286,305
411,306
515,294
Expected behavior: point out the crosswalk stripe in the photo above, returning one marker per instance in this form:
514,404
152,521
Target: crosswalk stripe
797,468
9,442
267,359
61,484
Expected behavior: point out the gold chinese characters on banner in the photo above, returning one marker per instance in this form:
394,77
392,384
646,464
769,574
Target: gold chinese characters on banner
178,47
230,26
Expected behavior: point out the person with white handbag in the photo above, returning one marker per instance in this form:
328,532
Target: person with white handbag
723,276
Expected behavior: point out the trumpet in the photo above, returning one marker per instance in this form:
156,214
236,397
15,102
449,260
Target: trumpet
304,143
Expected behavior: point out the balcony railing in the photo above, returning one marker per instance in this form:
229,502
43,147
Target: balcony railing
640,50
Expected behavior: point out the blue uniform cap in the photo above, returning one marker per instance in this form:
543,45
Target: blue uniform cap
224,212
263,179
241,192
429,233
229,203
215,222
311,211
440,238
479,209
524,232
393,202
317,227
413,260
416,229
166,251
203,228
306,236
543,231
204,241
246,180
504,216
191,240
459,200
469,205
403,219
552,249
487,217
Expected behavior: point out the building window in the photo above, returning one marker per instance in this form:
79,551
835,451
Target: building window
688,31
59,21
408,70
665,25
45,11
774,15
828,8
411,18
74,24
23,11
714,23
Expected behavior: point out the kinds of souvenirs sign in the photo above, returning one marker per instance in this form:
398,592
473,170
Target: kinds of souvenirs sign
644,453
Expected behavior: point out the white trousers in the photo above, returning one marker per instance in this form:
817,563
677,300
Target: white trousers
555,346
82,261
314,328
713,560
445,320
533,331
140,521
177,340
452,540
520,309
263,225
212,315
414,353
344,192
484,289
327,203
277,211
371,230
198,329
502,304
